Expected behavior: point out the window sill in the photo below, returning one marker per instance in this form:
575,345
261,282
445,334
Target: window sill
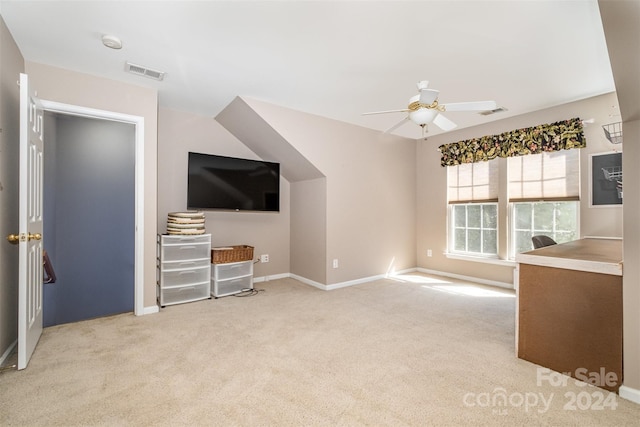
485,260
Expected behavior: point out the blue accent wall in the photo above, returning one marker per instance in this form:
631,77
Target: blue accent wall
89,217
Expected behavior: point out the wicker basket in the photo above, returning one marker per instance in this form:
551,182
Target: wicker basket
226,254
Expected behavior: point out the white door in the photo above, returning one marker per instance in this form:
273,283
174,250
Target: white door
30,234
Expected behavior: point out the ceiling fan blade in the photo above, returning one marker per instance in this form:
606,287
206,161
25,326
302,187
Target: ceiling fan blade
427,96
397,125
471,106
385,112
443,123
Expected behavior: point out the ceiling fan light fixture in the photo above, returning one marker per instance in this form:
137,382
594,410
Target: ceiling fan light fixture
424,109
422,116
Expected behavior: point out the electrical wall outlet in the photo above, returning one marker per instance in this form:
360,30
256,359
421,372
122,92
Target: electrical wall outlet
429,253
335,263
264,258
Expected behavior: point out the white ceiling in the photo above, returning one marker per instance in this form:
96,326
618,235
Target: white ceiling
336,59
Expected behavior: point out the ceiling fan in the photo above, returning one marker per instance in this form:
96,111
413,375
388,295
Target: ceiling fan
424,109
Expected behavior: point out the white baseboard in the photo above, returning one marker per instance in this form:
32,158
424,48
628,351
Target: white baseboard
629,393
151,310
467,278
334,285
313,282
355,282
7,353
377,277
271,277
349,282
308,282
304,280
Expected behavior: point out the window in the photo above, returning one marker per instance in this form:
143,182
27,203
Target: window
543,198
475,228
558,220
473,208
546,176
544,194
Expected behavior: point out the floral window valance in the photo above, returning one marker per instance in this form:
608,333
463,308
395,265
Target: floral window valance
556,136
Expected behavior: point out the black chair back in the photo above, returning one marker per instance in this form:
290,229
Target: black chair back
542,241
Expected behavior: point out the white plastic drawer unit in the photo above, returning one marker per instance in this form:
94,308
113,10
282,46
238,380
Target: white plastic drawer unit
231,278
232,286
184,268
185,251
231,270
187,276
186,264
184,294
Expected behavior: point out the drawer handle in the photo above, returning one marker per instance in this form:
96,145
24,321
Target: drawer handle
186,272
190,288
187,263
183,248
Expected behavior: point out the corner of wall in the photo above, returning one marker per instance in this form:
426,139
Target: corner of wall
11,65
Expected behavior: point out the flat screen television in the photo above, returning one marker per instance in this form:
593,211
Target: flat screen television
229,183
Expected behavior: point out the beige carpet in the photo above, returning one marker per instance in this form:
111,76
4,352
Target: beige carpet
415,351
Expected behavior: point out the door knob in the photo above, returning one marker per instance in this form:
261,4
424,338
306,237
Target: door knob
16,238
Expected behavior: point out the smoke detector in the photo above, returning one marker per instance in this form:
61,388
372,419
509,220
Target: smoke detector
144,71
112,42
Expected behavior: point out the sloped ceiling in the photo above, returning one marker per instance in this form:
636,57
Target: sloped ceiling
265,141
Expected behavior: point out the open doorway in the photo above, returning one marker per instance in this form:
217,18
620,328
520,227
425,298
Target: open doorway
89,217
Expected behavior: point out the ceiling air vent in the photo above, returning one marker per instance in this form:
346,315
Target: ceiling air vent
143,71
489,112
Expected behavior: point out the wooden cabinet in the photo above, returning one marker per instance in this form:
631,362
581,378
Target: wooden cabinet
569,310
184,268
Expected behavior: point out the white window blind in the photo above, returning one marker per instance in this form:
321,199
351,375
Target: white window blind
545,176
473,182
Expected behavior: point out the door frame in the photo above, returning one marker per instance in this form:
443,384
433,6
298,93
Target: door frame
138,122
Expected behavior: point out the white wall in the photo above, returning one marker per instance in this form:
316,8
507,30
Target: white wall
631,251
432,185
620,21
